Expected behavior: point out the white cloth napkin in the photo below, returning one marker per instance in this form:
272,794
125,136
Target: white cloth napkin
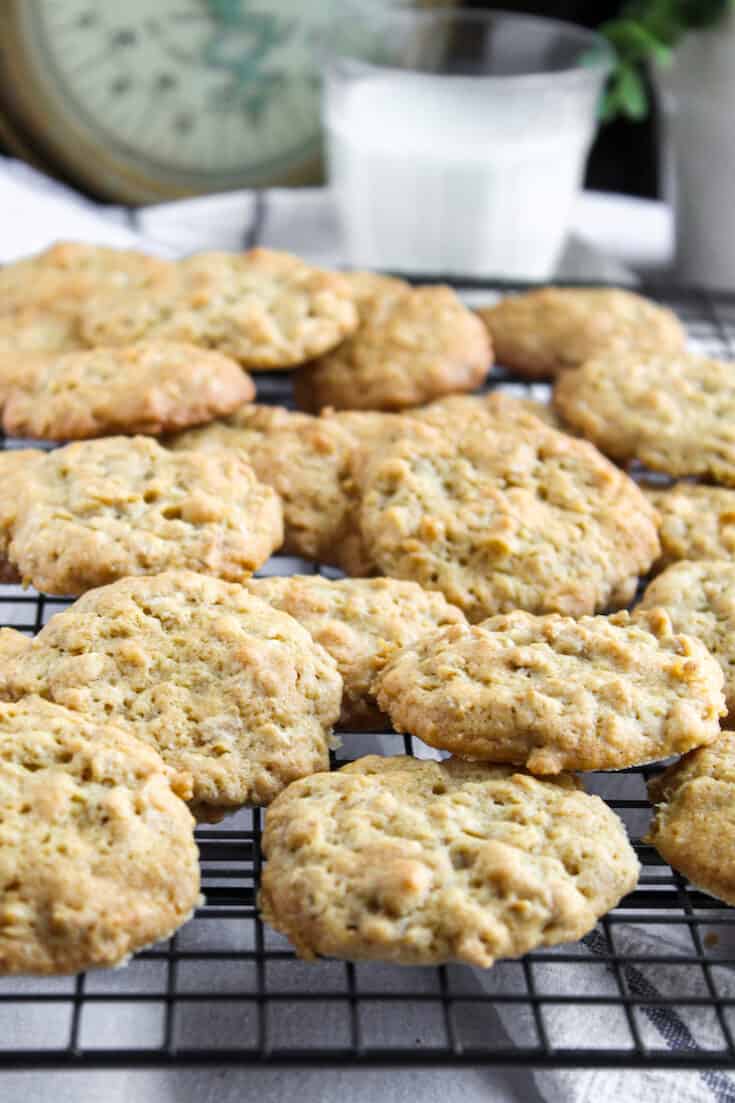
36,212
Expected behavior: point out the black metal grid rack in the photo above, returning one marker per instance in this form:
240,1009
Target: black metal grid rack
226,989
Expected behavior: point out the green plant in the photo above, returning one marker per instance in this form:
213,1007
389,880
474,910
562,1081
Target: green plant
648,30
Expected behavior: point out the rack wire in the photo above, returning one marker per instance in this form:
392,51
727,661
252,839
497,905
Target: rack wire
228,990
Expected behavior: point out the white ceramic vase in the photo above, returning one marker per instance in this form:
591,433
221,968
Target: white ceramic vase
697,94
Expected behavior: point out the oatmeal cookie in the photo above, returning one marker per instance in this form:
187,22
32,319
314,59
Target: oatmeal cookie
552,693
696,522
264,308
226,688
693,827
507,520
15,468
97,853
61,278
419,862
412,345
98,510
361,623
675,414
542,333
152,387
306,460
699,599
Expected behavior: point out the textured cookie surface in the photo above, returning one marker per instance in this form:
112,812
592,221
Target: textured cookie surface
674,413
15,468
306,460
28,337
361,623
412,345
265,309
553,693
459,413
151,387
694,820
371,432
699,599
31,329
544,332
64,276
98,510
97,853
506,519
696,522
423,862
225,687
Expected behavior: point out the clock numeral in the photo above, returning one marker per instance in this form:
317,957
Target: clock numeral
123,37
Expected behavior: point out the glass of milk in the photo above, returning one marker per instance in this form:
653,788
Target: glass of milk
456,140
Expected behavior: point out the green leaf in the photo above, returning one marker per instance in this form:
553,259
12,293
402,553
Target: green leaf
631,93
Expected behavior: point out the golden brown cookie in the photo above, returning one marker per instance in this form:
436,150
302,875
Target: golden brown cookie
371,431
419,862
31,329
263,308
361,623
412,344
552,693
693,827
98,510
225,687
15,467
674,413
152,387
696,522
542,333
97,853
306,460
12,643
459,413
504,520
699,599
61,278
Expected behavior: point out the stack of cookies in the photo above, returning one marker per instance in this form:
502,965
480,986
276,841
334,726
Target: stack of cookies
492,547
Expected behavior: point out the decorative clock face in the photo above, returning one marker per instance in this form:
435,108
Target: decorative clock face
209,88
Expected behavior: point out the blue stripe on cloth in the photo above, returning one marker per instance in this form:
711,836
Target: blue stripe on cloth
666,1020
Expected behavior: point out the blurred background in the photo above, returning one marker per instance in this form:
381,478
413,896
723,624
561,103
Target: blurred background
118,98
151,101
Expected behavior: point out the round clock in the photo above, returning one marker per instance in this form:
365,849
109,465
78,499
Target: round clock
141,100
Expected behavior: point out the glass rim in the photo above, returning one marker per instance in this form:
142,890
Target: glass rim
599,62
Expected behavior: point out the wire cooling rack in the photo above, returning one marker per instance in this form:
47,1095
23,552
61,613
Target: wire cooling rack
226,989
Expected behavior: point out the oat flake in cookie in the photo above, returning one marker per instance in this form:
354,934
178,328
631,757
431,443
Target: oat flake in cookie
418,862
508,519
226,688
97,852
693,827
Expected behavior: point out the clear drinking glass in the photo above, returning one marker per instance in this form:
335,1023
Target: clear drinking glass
456,140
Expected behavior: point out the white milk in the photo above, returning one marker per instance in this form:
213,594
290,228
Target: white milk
453,174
